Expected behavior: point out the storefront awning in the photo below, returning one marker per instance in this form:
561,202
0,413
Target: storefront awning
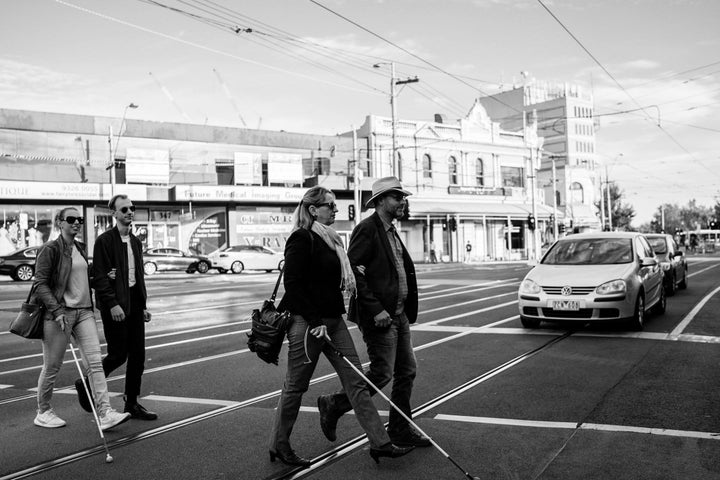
422,207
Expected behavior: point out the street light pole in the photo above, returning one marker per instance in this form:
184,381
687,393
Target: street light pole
393,110
113,151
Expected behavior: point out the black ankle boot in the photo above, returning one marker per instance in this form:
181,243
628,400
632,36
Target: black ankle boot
288,457
389,450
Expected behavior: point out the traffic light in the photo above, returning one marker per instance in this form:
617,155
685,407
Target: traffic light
531,222
444,225
351,212
453,225
561,228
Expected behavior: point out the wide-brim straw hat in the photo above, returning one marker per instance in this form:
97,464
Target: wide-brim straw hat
383,186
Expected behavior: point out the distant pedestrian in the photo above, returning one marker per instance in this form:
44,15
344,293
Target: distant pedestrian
433,254
63,285
386,305
119,284
317,272
468,252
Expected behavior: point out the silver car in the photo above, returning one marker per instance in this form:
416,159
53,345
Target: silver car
672,261
237,258
594,277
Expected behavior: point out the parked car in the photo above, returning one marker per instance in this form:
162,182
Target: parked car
237,258
20,264
165,259
672,261
594,277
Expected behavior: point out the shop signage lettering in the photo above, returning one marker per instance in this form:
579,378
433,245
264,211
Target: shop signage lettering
49,190
474,190
239,193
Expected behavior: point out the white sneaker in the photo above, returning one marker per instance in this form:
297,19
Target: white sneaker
111,418
48,419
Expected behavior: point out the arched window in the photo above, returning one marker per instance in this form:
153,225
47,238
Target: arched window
576,193
479,172
453,170
427,166
399,166
557,198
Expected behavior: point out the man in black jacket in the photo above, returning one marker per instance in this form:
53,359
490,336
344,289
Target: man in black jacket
121,297
386,305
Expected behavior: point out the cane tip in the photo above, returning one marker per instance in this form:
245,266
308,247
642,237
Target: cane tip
109,458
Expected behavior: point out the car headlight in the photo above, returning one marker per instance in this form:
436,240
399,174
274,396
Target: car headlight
613,287
529,286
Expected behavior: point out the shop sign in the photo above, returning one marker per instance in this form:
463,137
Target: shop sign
285,168
49,190
248,168
474,190
209,193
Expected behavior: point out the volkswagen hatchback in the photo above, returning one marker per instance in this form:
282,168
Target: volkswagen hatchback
594,277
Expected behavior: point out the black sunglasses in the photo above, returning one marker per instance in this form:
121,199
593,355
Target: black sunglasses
398,197
332,205
71,219
125,209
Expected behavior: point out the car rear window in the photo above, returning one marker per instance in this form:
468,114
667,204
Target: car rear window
590,251
658,244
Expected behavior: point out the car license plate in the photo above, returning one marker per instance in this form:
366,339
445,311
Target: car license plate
572,305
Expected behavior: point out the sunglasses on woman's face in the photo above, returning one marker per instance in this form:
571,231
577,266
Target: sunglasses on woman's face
70,219
125,209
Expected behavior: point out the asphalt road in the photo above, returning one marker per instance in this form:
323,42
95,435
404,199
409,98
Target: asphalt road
561,402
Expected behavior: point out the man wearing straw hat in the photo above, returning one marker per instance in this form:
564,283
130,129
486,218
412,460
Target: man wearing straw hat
385,306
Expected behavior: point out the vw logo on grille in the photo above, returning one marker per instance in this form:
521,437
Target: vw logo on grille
566,291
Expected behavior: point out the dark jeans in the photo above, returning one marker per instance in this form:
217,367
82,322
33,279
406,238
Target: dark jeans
391,358
301,365
126,342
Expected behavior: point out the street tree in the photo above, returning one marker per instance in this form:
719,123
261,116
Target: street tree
621,213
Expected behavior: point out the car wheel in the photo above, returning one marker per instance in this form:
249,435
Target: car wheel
203,267
683,283
638,319
149,268
24,273
661,305
528,322
237,267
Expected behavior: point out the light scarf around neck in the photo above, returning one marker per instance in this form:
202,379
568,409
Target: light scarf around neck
334,241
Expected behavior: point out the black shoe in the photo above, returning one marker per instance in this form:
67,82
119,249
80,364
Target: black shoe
410,438
83,398
328,419
139,412
289,457
390,451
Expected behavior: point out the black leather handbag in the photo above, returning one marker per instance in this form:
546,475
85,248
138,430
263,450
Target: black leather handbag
268,328
29,322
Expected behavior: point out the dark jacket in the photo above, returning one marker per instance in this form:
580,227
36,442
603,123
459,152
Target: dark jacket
52,271
110,252
378,287
312,278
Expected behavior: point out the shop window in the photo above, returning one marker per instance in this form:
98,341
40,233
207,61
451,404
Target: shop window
512,176
120,176
29,225
576,193
453,170
225,171
427,166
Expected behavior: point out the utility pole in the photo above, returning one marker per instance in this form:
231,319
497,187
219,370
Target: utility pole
609,200
393,110
554,195
356,177
113,151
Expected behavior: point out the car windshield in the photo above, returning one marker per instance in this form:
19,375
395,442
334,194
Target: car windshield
658,244
590,251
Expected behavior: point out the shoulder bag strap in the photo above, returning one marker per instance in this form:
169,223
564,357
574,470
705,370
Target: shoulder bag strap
277,284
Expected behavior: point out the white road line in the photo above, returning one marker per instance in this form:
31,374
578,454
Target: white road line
582,426
701,271
4,386
690,316
197,401
467,314
469,289
383,413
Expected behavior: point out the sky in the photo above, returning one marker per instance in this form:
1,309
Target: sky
307,66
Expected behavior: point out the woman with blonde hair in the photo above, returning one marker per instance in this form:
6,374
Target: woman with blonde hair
62,283
317,272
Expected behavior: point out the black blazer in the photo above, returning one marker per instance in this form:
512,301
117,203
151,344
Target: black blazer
110,252
378,287
312,278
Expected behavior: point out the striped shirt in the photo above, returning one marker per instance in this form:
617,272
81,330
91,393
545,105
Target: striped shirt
397,249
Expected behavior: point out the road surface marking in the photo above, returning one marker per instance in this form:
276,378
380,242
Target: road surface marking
690,316
196,401
582,426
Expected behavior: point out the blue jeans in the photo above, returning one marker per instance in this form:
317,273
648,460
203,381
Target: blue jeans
391,358
301,365
80,323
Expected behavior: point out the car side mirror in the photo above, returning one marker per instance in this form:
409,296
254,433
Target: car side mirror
648,262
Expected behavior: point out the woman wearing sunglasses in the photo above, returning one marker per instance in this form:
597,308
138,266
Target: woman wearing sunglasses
317,272
62,283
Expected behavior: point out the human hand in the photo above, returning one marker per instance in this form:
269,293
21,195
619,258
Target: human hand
361,269
147,316
319,332
117,313
60,319
111,274
383,319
